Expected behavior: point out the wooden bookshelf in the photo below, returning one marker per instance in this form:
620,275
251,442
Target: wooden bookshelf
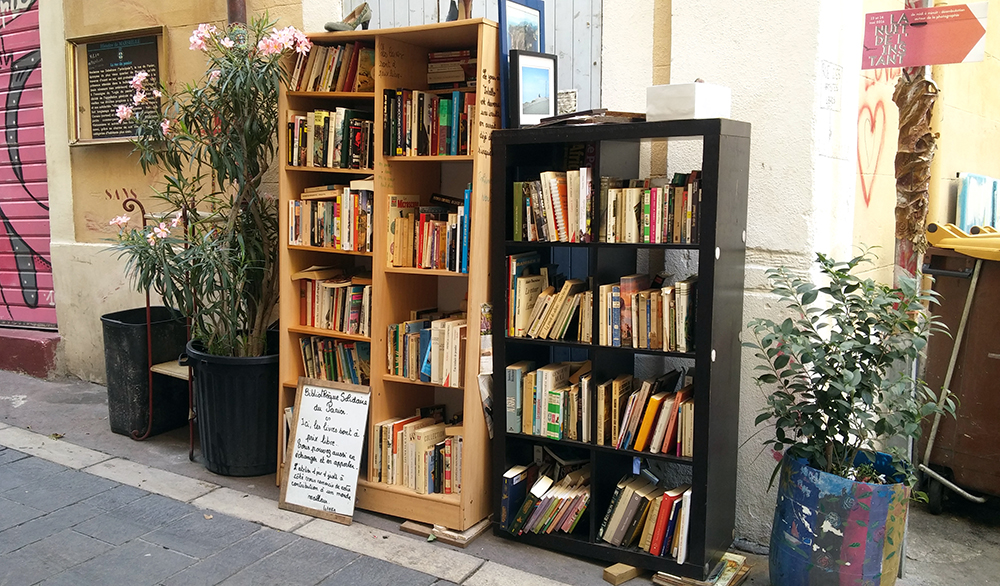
718,257
401,57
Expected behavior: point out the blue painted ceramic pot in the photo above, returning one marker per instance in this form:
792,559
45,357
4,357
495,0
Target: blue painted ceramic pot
831,531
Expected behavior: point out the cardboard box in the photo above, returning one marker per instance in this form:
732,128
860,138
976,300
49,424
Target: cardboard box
683,101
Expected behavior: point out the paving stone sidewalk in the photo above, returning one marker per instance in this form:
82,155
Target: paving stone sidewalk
61,526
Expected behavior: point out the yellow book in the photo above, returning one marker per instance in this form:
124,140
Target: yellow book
645,429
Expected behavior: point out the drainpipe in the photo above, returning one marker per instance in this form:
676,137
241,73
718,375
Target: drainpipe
237,11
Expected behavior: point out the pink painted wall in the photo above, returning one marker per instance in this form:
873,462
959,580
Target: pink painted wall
26,296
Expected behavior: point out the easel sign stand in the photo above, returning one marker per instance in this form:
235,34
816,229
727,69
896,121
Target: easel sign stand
324,450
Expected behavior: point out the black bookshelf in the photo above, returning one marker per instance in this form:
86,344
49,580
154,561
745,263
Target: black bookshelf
614,150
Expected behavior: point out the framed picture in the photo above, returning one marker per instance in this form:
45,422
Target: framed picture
532,87
522,28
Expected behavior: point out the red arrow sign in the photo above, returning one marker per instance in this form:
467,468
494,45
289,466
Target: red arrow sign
925,36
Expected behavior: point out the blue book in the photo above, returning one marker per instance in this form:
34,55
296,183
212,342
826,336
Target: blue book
456,116
514,386
465,228
425,355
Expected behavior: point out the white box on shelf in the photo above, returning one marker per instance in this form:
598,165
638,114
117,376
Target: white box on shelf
683,101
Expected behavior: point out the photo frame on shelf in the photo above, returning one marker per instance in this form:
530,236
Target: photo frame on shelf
532,87
522,28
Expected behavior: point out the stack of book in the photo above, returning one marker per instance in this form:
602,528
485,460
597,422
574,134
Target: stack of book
561,206
334,360
643,514
335,68
451,69
421,123
342,138
331,300
549,506
421,452
429,237
731,570
429,350
332,216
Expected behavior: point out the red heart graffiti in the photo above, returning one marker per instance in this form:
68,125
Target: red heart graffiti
871,141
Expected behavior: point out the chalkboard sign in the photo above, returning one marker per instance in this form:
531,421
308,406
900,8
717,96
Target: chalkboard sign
320,476
110,67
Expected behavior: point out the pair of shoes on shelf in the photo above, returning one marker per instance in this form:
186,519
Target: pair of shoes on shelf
361,15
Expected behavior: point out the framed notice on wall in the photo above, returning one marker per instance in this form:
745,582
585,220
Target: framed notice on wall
323,456
102,69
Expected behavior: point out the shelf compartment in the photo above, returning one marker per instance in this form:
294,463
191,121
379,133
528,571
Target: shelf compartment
439,158
310,331
586,346
605,449
328,249
393,378
399,501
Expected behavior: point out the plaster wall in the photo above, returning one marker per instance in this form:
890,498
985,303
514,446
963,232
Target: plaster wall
89,280
793,70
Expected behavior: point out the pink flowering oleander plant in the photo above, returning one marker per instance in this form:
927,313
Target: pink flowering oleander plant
213,256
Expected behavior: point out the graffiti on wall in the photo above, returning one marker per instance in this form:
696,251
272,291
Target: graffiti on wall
876,134
25,268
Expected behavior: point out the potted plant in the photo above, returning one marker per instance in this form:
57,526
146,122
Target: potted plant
213,256
838,372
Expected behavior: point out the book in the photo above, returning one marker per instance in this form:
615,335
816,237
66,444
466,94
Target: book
686,293
538,490
528,402
650,524
670,436
621,390
515,379
615,498
625,510
549,378
570,287
684,522
663,518
653,408
527,288
364,81
513,491
644,500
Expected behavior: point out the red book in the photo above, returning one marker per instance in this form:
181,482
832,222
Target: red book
303,301
663,518
670,437
352,71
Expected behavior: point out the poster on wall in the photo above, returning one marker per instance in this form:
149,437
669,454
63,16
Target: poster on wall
925,36
110,67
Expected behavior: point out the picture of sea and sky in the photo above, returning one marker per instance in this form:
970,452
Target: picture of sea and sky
535,96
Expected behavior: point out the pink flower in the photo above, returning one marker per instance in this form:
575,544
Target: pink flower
124,113
119,221
198,37
138,97
157,93
165,127
151,239
138,79
269,46
227,43
161,231
197,43
214,75
176,220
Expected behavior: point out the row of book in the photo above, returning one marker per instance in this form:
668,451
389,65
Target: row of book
332,300
558,401
549,506
542,312
334,68
421,123
644,514
342,138
421,453
429,350
336,360
430,237
561,206
332,216
648,313
451,69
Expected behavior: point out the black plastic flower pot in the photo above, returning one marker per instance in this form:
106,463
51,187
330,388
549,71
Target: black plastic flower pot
236,407
126,365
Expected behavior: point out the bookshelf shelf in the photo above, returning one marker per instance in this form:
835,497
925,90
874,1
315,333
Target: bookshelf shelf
334,170
423,272
718,227
308,331
401,63
431,158
328,250
401,379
